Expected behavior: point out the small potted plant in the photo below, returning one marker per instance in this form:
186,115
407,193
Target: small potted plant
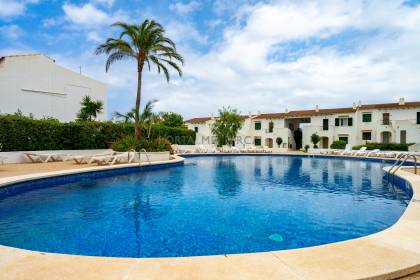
315,140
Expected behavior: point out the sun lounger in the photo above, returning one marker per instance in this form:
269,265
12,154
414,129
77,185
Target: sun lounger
2,159
46,157
361,151
372,153
87,159
124,157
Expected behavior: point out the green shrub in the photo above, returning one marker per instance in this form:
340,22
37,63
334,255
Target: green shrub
129,142
338,144
305,149
384,146
279,140
19,133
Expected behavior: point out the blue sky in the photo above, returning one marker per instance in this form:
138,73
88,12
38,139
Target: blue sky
252,55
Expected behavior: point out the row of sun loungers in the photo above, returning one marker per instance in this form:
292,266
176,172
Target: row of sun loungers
363,152
225,149
106,158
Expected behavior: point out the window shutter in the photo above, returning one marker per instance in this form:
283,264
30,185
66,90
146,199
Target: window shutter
350,121
337,122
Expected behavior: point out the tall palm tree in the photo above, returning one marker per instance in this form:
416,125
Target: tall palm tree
146,44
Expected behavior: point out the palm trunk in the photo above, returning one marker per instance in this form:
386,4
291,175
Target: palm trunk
137,128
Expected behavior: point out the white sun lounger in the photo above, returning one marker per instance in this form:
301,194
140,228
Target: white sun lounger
46,157
360,152
87,159
2,159
123,157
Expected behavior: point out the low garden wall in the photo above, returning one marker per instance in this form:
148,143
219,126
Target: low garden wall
19,156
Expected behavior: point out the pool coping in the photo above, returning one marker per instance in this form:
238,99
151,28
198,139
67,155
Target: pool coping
388,254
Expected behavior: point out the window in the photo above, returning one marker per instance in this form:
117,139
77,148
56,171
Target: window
270,127
367,135
344,138
257,126
257,141
385,119
196,129
367,117
325,124
344,121
418,117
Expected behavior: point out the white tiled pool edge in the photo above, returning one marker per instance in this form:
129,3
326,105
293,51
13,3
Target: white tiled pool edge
391,253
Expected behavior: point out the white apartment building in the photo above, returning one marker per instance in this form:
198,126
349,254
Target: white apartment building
35,84
356,125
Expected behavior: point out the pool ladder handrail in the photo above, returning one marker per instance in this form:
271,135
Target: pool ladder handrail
147,156
401,159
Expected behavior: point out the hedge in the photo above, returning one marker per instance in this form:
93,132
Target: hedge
339,144
384,146
19,133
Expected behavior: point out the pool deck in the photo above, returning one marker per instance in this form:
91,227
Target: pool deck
389,254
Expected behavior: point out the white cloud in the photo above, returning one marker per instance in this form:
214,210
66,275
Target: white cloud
11,31
12,8
108,3
184,9
87,15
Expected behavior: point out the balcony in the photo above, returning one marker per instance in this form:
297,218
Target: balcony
385,122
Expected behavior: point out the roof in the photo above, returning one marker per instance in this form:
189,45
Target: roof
198,120
26,55
320,112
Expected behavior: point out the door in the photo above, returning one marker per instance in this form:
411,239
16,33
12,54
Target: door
386,137
324,142
403,136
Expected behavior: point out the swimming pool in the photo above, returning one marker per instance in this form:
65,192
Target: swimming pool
211,205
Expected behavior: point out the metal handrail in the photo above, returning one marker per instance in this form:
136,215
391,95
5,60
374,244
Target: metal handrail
147,155
400,162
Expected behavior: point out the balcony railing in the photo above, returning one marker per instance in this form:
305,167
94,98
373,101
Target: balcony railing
385,122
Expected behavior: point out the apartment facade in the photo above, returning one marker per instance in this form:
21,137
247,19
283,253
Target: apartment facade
356,125
35,84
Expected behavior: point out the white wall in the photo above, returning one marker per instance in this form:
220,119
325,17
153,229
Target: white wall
36,85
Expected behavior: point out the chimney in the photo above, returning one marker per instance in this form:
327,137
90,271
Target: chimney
317,108
354,106
401,101
359,104
249,115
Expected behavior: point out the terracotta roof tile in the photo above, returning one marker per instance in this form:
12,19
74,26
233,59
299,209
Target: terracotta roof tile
198,120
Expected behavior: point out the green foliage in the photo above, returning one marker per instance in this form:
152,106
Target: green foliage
315,138
19,133
172,119
339,144
384,146
90,109
129,142
279,140
305,149
128,117
226,126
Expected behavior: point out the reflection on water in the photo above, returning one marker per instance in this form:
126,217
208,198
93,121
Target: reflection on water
212,205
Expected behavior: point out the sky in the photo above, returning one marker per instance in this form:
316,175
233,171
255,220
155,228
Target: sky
255,56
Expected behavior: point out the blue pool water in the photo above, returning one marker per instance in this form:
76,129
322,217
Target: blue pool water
211,205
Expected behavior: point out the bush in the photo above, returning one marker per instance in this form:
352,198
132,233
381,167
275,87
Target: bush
315,139
305,149
19,133
338,144
130,142
384,146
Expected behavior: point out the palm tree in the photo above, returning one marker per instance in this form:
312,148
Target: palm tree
148,117
127,117
145,43
90,109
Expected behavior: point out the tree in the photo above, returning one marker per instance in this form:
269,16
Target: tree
127,117
145,44
172,119
148,118
279,140
90,109
315,139
226,126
